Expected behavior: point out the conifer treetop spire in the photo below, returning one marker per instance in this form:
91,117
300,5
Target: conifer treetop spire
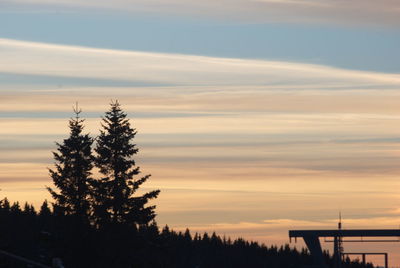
76,110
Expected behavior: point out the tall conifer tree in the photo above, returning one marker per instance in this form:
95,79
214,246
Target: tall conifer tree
115,199
72,173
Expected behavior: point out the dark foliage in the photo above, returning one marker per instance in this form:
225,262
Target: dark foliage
115,201
43,236
72,173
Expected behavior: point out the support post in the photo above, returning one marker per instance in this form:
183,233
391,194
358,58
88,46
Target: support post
386,260
313,244
336,253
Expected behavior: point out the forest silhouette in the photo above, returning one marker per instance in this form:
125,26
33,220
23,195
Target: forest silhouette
102,221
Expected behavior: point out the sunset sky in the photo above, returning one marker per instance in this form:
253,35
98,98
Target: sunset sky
253,116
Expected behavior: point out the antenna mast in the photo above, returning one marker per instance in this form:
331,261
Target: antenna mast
340,239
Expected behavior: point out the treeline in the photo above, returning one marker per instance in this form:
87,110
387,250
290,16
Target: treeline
42,236
97,219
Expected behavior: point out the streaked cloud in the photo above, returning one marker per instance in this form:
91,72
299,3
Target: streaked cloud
228,110
359,12
20,57
254,147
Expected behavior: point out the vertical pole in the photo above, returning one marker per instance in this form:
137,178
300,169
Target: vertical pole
386,260
363,259
336,253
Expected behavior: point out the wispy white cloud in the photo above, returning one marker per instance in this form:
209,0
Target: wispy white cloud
308,11
48,59
292,107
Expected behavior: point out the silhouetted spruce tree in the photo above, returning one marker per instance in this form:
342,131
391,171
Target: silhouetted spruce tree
45,210
115,200
72,173
6,204
15,208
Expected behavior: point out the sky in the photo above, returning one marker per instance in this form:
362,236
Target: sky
253,116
